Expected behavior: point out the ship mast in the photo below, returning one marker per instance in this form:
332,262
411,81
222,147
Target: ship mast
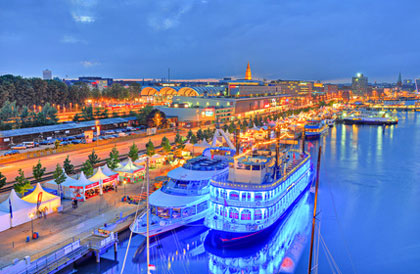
147,212
315,204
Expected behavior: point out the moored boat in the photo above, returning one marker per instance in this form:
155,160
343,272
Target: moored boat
315,128
259,192
184,198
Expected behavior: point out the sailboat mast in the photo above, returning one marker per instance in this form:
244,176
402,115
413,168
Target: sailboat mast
147,212
314,215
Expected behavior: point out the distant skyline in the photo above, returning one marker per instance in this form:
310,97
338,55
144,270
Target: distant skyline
322,40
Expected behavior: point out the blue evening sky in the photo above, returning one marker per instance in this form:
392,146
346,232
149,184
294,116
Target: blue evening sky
327,40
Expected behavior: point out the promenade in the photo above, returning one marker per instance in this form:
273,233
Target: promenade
58,229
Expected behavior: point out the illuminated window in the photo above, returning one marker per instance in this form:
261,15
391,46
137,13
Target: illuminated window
257,214
246,215
233,213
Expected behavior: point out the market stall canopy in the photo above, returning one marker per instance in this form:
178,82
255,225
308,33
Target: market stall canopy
202,144
16,203
129,167
99,176
45,196
107,171
83,181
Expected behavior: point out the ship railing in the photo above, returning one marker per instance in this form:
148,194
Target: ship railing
240,186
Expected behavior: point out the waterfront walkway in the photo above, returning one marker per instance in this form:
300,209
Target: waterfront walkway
59,229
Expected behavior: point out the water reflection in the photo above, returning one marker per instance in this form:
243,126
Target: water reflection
278,252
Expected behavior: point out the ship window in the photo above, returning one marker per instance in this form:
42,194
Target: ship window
163,212
188,211
221,210
223,193
234,195
233,213
176,213
246,215
201,206
216,192
246,196
257,214
258,197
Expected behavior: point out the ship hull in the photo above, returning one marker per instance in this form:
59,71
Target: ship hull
219,238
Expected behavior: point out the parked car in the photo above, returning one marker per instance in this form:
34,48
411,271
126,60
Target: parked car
70,138
64,143
44,142
19,147
11,152
122,134
29,144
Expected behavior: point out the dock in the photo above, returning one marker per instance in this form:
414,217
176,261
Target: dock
95,244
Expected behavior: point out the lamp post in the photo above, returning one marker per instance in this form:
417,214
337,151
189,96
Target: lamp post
31,215
124,182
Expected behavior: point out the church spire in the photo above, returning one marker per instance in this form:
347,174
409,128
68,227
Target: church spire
248,73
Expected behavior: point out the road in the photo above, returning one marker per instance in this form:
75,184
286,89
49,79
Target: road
77,157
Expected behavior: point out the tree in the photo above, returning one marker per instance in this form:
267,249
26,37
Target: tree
22,184
200,135
94,158
231,127
57,143
165,144
193,139
150,148
2,180
156,118
68,166
179,141
134,152
190,133
143,114
87,168
114,158
38,171
59,177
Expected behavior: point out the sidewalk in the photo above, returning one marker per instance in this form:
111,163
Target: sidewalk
59,228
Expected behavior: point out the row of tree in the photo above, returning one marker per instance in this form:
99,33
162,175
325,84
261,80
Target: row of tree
35,91
12,116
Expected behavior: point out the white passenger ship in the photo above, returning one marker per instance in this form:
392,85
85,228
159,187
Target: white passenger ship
259,191
184,198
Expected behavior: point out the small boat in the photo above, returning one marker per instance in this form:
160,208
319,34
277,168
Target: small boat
315,128
330,122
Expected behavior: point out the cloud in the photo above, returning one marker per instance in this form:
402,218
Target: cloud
68,39
83,18
168,13
88,64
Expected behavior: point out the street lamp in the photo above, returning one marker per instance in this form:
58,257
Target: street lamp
31,215
124,182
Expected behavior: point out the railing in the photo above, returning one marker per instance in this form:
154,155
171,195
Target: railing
25,266
241,186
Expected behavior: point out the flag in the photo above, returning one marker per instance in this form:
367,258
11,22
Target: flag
10,209
152,267
39,200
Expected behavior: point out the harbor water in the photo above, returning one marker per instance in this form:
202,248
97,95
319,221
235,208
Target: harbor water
369,216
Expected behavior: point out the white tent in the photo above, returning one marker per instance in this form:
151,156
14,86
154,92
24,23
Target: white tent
21,209
65,186
203,144
49,201
130,172
4,220
108,172
102,178
129,167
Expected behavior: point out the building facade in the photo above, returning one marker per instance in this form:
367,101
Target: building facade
359,84
47,74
